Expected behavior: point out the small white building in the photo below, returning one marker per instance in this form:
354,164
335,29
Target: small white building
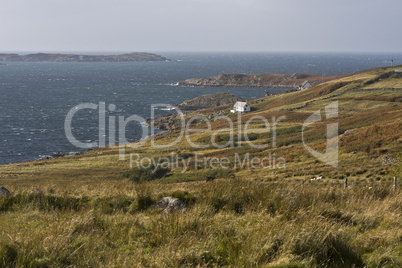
306,84
241,106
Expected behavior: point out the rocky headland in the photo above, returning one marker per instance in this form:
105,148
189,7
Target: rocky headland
55,57
282,81
209,101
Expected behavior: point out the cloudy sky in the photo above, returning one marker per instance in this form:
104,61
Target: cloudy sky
201,25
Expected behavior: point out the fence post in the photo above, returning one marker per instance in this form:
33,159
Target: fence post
394,183
346,182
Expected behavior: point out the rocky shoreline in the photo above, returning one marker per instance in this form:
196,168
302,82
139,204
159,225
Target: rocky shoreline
217,102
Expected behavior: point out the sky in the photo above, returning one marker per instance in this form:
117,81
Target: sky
201,25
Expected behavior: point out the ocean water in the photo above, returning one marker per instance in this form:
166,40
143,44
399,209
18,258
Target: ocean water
36,97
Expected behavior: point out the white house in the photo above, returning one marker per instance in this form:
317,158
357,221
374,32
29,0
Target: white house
241,106
306,84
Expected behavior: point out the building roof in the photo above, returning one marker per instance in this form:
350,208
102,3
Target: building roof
305,83
240,104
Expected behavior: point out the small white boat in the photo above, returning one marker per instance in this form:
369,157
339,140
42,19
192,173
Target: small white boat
167,108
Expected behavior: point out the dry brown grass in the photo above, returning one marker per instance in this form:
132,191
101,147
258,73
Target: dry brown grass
232,223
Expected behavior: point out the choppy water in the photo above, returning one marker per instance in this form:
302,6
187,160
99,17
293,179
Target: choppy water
36,97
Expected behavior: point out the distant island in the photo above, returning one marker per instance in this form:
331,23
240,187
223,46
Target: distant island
284,81
56,57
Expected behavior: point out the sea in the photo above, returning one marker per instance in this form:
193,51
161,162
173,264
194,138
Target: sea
37,97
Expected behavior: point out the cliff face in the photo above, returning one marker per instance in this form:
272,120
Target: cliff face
48,57
257,80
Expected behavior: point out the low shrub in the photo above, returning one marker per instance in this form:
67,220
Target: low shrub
185,197
140,174
144,192
185,155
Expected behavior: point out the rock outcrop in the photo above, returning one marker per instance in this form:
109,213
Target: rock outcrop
169,204
209,101
50,57
167,122
4,191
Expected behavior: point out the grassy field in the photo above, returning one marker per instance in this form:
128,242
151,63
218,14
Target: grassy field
80,211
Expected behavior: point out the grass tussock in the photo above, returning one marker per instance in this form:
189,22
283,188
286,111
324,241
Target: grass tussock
229,222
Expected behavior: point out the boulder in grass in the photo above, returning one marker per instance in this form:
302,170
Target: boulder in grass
4,192
169,204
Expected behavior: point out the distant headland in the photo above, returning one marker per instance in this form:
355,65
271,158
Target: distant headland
281,81
55,57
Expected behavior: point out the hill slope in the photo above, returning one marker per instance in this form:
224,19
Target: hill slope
285,208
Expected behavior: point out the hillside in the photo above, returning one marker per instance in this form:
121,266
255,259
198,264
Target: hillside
284,208
258,80
49,57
